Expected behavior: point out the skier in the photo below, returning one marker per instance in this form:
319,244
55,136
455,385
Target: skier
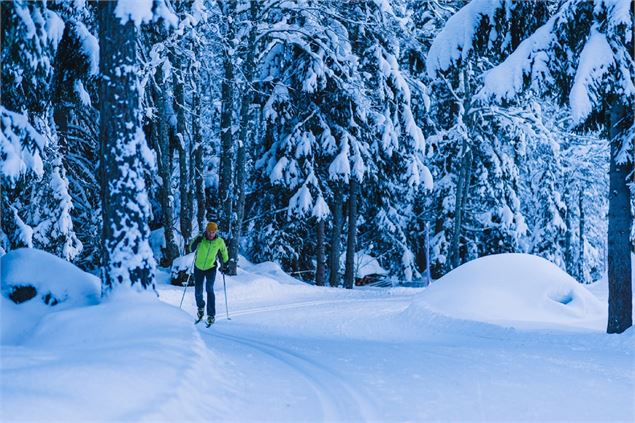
207,246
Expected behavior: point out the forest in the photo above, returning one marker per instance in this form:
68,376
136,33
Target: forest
422,133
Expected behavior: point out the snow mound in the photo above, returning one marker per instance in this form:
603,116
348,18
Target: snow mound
364,265
53,280
518,290
270,270
41,283
130,358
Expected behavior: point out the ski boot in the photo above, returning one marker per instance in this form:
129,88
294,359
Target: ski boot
210,321
199,315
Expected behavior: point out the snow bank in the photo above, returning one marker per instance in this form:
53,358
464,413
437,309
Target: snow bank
269,270
130,358
54,279
47,283
518,290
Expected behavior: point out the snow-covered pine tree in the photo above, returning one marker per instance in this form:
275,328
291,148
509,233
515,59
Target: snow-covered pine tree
248,54
395,170
159,126
585,53
308,67
564,179
191,15
224,199
478,151
541,186
35,206
425,21
170,68
74,90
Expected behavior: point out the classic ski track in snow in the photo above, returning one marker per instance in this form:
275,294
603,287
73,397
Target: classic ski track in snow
322,380
302,304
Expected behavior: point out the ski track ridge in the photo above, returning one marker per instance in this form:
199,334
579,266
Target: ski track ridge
324,381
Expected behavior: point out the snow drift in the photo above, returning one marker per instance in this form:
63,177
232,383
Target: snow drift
69,356
52,279
41,283
518,290
131,358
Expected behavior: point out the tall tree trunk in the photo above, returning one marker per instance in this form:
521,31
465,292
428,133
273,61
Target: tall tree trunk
227,109
569,260
334,258
428,272
464,174
620,221
185,219
581,258
164,162
459,205
239,210
349,273
197,145
127,257
320,268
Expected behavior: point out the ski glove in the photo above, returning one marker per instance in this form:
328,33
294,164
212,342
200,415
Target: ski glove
224,268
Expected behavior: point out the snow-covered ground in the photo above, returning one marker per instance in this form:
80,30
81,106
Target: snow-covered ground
506,338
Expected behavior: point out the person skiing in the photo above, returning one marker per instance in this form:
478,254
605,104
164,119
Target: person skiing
207,246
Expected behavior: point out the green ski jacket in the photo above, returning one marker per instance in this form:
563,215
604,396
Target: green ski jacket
206,251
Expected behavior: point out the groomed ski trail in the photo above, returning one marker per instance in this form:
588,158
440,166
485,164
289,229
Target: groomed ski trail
337,398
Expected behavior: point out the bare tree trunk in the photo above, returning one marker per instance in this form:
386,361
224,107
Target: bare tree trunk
620,221
459,206
334,258
164,161
581,258
427,236
349,273
127,257
227,109
185,219
239,210
464,176
320,268
569,260
197,145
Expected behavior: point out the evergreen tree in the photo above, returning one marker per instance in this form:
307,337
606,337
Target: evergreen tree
306,149
584,52
478,149
35,208
76,66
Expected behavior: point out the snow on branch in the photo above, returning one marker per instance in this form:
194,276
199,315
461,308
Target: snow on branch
595,61
531,57
456,40
20,146
144,11
320,209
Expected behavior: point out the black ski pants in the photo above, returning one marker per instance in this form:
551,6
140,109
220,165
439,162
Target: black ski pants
208,276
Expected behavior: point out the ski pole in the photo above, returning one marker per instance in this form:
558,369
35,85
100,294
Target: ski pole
225,289
187,283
